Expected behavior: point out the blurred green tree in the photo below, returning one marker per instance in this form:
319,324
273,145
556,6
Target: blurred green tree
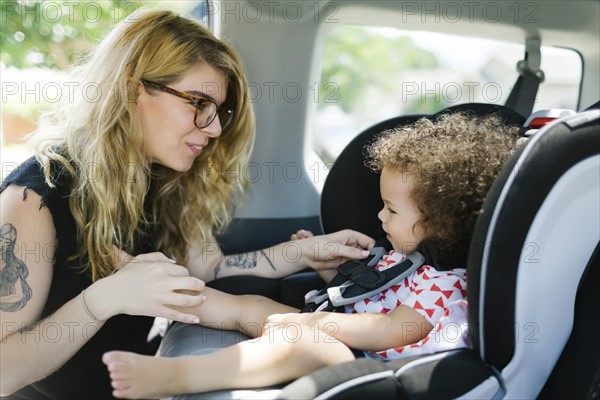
357,58
57,34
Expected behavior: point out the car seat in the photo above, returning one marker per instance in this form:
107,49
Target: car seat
538,231
352,189
533,287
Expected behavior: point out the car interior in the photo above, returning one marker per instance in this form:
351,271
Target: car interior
534,262
533,265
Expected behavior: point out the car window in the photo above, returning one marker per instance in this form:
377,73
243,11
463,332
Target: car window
369,74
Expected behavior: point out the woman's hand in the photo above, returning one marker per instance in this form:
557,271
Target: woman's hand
325,274
328,251
149,284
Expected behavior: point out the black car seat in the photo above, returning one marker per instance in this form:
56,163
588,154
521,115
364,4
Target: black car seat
533,288
350,197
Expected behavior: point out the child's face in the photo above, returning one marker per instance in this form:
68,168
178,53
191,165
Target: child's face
400,214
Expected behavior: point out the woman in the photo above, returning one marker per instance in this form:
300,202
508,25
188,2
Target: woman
112,222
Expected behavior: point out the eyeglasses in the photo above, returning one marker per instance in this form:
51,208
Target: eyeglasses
206,109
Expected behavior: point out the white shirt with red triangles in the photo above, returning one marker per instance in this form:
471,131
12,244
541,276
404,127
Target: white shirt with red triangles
439,296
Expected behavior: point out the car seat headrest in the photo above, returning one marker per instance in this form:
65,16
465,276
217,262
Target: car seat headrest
505,221
350,198
509,116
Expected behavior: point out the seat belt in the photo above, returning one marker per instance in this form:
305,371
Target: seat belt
359,279
522,97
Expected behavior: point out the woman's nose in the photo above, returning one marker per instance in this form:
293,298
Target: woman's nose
213,130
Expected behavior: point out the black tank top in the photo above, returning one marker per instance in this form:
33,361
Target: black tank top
84,376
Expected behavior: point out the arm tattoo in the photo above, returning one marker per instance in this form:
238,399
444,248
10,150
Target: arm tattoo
14,290
268,260
242,261
217,270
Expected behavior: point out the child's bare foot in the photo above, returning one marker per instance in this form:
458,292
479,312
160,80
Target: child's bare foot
136,376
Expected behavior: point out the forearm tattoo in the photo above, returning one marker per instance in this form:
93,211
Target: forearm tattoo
242,261
15,292
268,260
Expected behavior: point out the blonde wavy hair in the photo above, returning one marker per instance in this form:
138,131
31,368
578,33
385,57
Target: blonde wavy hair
96,138
453,162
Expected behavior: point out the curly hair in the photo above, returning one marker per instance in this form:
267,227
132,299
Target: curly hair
453,162
99,142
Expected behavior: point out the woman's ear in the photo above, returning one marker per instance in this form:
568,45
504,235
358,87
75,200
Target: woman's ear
134,89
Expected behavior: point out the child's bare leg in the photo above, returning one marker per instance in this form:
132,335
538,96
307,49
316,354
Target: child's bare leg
274,358
245,313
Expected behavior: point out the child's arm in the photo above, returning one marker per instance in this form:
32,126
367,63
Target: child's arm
364,331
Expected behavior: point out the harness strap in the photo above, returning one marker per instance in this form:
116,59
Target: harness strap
357,280
317,297
352,291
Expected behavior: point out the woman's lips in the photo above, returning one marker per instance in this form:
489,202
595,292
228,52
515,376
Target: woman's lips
196,149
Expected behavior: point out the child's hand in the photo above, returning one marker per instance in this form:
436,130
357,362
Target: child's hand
280,321
301,234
